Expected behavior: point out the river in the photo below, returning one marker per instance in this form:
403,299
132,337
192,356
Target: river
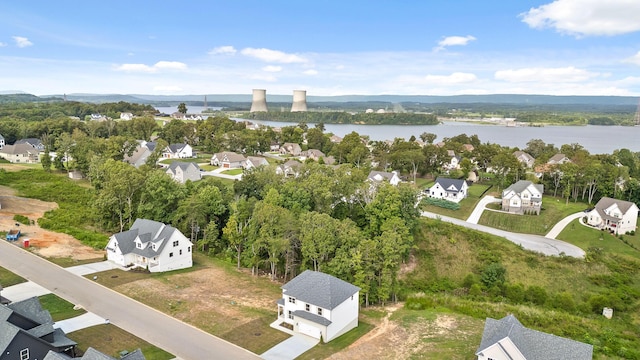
596,139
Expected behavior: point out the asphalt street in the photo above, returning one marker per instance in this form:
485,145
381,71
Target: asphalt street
172,335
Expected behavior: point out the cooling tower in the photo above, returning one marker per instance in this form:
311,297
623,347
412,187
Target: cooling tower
299,100
259,102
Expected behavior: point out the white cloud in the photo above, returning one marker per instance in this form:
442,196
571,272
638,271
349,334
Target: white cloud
635,59
3,44
160,65
167,88
454,78
310,72
454,41
223,50
586,17
272,68
545,75
22,42
269,55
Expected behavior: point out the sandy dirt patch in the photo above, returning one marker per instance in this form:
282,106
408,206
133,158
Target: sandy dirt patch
43,242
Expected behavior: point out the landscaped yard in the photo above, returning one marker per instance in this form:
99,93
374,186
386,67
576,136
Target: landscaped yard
553,210
69,262
233,172
59,308
466,205
111,340
7,278
587,237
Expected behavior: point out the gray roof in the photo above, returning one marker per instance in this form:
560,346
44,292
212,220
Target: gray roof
533,344
151,145
30,141
19,149
319,289
174,148
147,231
312,317
446,183
521,185
605,202
93,354
373,175
230,155
257,160
184,166
32,310
556,158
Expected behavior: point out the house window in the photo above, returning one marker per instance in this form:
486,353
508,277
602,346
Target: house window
170,254
175,243
189,249
292,300
180,252
290,315
24,354
320,311
139,245
307,307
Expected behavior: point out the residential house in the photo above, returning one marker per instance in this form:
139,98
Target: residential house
97,117
615,215
178,151
254,162
1,141
290,168
449,189
141,153
319,305
178,116
508,339
150,244
468,147
454,161
313,154
558,159
27,332
378,177
126,116
93,354
526,159
183,171
523,197
274,146
20,153
290,149
33,142
228,160
335,139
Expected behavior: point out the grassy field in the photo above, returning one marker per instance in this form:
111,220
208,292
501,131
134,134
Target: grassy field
587,237
59,308
111,340
233,172
324,350
7,278
466,205
69,262
553,210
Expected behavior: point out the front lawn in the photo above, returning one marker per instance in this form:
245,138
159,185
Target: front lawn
233,172
553,210
587,237
59,308
466,205
7,278
112,340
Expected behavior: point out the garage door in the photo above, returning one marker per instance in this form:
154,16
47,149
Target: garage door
309,330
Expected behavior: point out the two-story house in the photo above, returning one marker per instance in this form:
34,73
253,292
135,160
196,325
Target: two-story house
523,197
615,215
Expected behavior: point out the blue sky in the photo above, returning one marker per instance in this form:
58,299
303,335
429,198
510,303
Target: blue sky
562,47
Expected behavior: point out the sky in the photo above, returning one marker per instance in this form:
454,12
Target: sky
329,47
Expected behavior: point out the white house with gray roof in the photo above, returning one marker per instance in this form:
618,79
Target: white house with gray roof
508,339
615,215
523,197
178,151
150,244
228,160
319,305
182,171
378,177
449,189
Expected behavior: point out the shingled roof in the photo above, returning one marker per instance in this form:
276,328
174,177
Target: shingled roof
447,183
319,289
147,231
533,344
521,185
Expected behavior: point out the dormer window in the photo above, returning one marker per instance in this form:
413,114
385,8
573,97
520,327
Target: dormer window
320,311
139,245
292,300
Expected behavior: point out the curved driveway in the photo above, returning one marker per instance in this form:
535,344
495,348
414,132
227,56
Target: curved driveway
172,335
535,243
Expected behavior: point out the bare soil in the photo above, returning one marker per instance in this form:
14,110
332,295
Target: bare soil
43,242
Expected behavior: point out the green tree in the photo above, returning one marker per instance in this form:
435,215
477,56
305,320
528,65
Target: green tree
182,108
160,196
120,189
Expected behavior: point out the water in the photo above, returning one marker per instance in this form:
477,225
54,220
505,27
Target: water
596,139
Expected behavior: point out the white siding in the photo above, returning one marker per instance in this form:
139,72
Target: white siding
344,317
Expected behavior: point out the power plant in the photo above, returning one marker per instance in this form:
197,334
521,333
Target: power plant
259,102
299,101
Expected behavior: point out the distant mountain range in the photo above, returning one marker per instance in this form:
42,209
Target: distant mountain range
424,99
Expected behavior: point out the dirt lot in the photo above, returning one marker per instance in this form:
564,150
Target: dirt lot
43,242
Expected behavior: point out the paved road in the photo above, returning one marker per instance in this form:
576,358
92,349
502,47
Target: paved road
557,228
183,340
479,209
535,243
